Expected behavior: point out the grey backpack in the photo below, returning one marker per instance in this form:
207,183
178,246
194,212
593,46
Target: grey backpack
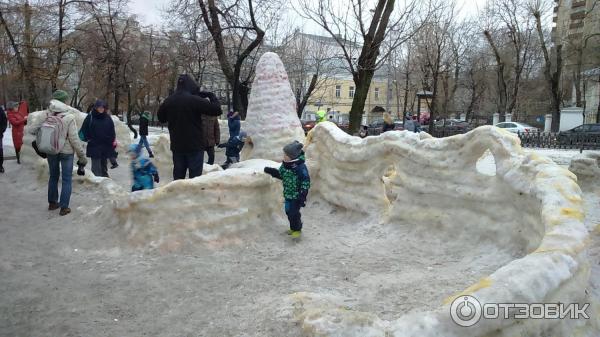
50,138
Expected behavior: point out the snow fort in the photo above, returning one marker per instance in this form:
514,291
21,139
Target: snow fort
408,199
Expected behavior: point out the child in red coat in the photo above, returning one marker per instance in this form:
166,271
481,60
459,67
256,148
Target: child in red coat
17,121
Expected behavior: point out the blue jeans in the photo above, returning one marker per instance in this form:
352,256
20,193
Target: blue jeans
144,142
182,162
57,164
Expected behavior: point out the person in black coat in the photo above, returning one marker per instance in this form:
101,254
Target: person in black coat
183,112
98,130
143,129
3,125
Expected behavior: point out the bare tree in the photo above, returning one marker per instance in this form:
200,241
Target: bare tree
26,62
515,28
552,69
360,34
240,17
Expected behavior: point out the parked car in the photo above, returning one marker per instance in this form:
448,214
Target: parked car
453,125
308,125
376,127
570,136
516,127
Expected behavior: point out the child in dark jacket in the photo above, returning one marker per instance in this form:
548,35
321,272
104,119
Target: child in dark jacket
233,147
144,173
296,183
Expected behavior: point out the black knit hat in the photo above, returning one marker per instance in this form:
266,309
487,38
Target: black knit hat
293,150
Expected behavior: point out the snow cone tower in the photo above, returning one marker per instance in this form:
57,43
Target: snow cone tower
271,121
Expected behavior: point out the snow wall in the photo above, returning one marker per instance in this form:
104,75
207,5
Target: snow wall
530,203
587,168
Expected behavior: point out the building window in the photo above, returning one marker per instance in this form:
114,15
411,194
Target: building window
338,91
376,93
351,92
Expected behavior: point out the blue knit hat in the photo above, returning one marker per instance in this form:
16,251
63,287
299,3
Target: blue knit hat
100,103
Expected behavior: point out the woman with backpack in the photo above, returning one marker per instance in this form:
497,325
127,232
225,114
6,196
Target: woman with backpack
98,130
60,124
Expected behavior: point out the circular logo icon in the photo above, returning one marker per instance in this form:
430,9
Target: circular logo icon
465,311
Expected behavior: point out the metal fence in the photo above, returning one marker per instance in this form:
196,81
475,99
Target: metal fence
549,140
553,140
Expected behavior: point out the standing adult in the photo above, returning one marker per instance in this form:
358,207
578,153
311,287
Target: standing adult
61,164
98,130
409,124
17,121
143,129
212,136
234,123
183,111
3,125
388,122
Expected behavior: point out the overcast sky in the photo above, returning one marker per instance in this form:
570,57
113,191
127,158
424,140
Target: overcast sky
149,11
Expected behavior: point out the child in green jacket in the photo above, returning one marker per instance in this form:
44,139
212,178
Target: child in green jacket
296,183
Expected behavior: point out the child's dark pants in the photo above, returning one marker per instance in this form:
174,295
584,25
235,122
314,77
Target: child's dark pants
292,209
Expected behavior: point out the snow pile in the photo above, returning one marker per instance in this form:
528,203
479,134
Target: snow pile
211,208
271,121
531,204
164,159
587,167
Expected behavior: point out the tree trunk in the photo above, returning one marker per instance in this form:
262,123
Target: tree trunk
502,91
362,82
129,111
29,59
577,76
302,103
552,77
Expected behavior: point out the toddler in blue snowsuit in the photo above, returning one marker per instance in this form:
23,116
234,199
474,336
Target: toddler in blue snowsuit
144,173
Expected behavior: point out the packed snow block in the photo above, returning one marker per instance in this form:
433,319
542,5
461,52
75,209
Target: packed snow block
271,119
163,159
530,206
212,208
587,167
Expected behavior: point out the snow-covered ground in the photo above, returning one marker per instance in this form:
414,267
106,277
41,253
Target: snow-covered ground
77,275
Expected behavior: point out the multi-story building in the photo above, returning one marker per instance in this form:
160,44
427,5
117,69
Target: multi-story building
576,28
336,88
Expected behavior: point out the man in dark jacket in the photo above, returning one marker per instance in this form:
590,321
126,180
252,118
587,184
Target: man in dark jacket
143,129
3,125
183,111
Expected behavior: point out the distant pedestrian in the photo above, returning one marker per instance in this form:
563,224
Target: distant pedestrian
98,130
143,129
234,123
17,121
296,183
388,122
321,116
364,131
3,125
60,118
212,136
233,147
409,124
183,112
143,172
